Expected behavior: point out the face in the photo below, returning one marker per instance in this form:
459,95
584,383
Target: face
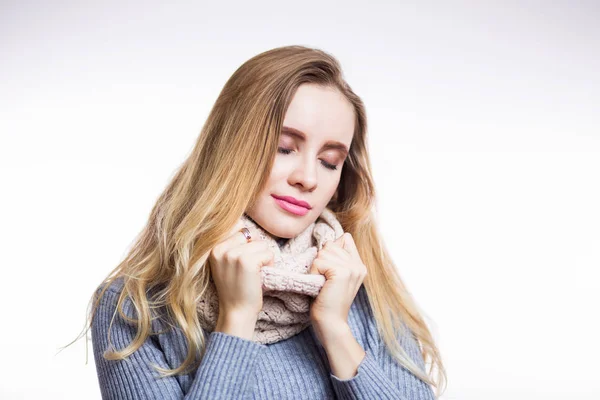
318,126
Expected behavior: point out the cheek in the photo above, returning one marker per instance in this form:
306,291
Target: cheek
332,186
279,171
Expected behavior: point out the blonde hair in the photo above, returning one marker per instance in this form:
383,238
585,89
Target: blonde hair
227,168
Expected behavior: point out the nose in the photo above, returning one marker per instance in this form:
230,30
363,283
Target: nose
304,173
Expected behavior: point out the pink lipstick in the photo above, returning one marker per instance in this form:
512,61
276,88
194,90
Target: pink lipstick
292,205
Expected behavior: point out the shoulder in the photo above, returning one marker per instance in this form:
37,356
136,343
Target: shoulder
115,286
107,301
110,305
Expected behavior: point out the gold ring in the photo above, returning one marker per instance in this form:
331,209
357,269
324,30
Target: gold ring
246,233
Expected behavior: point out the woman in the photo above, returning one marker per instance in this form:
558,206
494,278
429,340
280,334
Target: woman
260,273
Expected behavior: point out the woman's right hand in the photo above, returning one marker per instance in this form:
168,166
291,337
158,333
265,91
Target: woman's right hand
235,266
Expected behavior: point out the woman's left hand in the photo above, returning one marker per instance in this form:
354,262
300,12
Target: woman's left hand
344,272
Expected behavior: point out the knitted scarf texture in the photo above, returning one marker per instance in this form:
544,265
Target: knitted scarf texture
288,288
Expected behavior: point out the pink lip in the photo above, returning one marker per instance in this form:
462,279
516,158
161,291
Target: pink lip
292,200
291,207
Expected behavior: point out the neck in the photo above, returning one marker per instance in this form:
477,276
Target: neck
281,241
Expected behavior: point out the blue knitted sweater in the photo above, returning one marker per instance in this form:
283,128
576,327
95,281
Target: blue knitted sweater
237,368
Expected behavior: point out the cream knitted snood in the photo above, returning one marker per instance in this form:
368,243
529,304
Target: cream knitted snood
287,286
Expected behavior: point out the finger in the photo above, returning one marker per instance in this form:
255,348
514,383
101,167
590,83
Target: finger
258,246
261,258
340,241
319,267
237,238
350,245
236,228
337,247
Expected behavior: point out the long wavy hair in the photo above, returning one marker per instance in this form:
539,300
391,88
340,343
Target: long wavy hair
220,179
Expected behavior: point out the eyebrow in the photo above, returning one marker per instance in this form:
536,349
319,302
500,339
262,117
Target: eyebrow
331,144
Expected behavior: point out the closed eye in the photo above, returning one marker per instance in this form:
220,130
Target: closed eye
324,163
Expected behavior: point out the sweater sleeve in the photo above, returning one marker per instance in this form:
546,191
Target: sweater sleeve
224,372
379,376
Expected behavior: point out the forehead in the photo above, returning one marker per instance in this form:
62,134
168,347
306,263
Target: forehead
322,113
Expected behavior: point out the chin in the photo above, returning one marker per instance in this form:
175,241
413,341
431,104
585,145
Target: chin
274,227
287,233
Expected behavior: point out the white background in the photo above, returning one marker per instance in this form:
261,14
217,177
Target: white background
484,132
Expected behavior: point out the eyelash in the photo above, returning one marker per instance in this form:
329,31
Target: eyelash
325,164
